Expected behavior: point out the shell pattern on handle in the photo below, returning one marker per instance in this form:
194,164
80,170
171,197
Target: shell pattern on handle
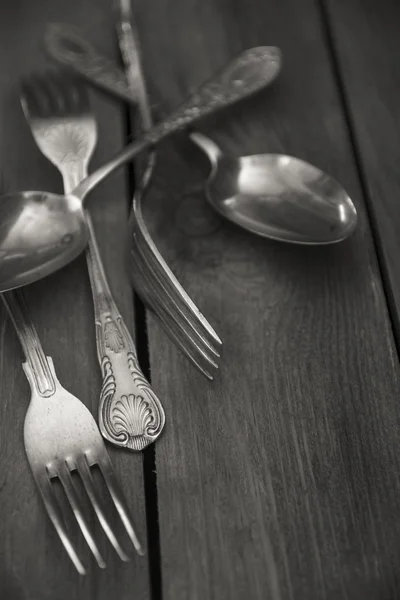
130,413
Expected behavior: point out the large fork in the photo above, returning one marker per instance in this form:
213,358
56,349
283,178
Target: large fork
62,437
151,277
57,109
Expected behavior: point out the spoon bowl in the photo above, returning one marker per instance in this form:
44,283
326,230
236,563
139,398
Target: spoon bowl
278,196
272,195
40,233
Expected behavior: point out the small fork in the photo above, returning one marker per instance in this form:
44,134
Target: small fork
57,109
61,437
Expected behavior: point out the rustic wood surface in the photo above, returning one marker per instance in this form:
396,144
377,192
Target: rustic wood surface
367,65
279,480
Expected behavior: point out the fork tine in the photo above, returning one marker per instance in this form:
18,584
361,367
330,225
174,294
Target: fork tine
44,485
56,92
53,86
29,97
107,470
171,332
65,477
190,320
69,91
184,321
176,331
151,286
88,482
182,339
81,94
177,292
166,275
35,98
56,87
193,335
173,288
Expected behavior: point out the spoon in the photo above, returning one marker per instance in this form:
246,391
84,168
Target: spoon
273,195
41,232
277,196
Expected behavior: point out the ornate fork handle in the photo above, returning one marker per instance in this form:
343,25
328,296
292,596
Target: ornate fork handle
38,367
130,414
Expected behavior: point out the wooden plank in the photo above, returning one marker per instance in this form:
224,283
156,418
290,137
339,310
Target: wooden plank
366,44
33,563
281,479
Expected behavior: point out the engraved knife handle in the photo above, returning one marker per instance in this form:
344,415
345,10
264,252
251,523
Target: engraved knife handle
130,414
38,366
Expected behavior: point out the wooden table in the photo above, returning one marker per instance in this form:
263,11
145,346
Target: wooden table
280,480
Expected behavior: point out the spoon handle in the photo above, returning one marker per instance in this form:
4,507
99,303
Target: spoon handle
245,75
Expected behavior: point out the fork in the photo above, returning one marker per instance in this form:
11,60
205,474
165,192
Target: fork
57,109
152,279
150,273
61,437
162,293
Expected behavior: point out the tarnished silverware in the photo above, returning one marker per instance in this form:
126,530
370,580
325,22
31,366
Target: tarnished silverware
67,45
41,232
61,436
273,195
278,196
57,109
150,274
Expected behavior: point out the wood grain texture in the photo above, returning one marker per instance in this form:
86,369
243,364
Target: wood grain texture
368,67
33,563
281,479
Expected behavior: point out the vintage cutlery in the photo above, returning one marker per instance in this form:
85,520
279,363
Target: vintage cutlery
276,196
69,48
58,111
61,436
41,232
151,277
